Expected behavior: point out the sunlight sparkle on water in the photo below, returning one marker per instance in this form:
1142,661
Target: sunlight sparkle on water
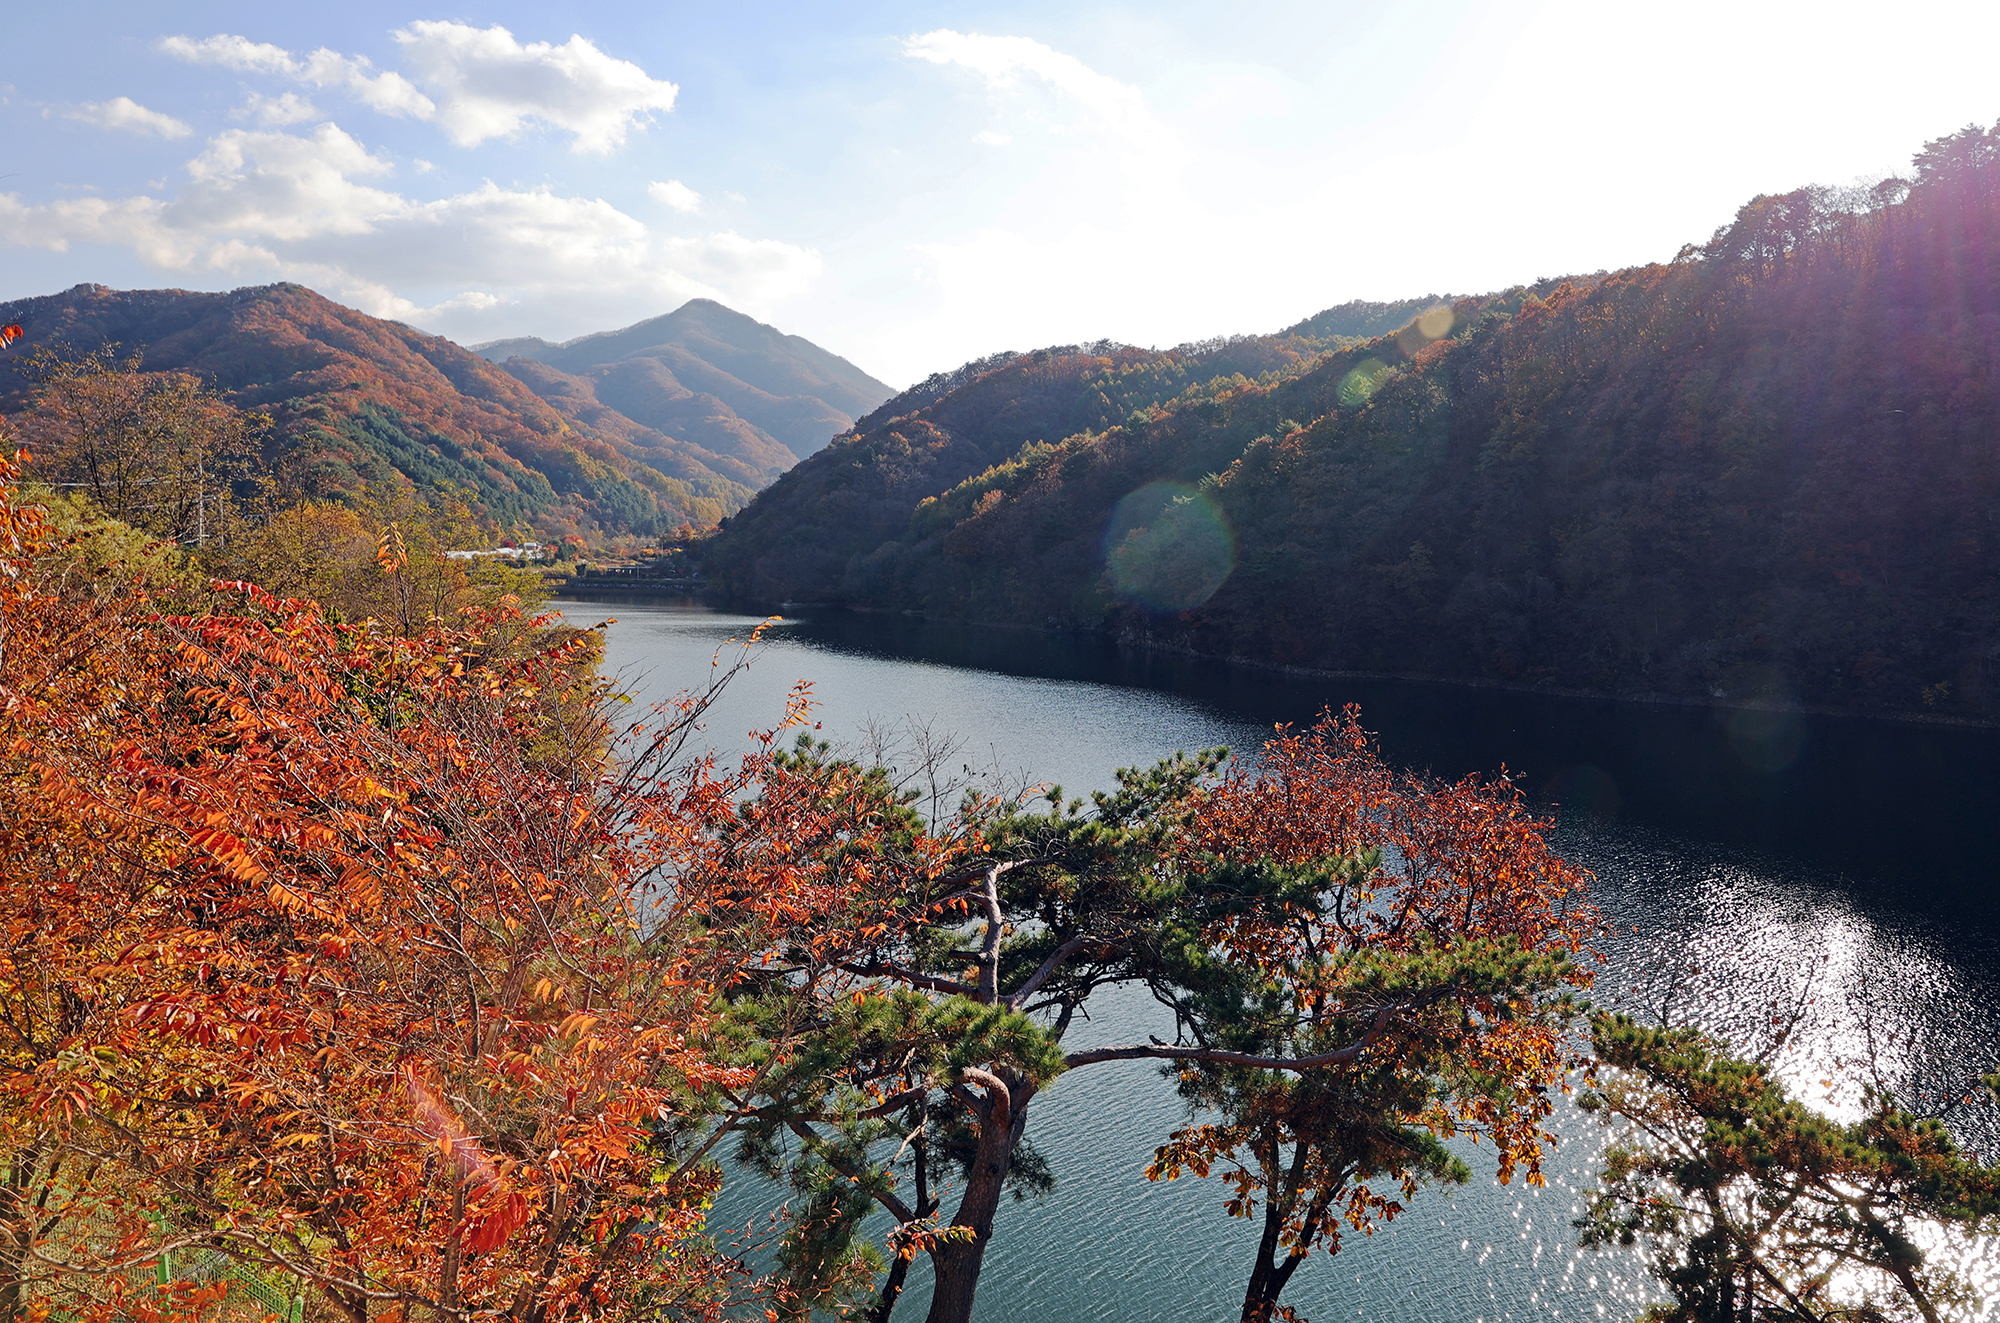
1720,939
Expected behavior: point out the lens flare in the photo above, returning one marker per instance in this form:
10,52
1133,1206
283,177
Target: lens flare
1770,736
1169,547
438,1121
1433,325
1767,740
1358,385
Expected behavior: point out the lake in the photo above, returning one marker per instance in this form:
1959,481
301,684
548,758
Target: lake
1749,859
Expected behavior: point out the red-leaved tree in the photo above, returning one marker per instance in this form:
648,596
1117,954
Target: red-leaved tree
366,966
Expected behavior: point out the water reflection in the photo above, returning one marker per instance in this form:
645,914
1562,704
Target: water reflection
1768,740
1586,789
1903,810
1833,876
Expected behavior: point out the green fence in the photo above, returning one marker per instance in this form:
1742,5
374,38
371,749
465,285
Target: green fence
286,1301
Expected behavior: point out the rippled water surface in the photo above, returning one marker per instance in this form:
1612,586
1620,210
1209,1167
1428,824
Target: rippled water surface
1755,863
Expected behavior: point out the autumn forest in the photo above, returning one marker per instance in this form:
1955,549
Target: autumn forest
1760,471
372,956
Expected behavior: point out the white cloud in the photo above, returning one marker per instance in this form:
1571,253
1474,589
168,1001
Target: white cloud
486,83
1231,97
1097,192
489,85
279,186
1007,62
232,52
1104,163
276,111
127,222
1088,143
311,207
673,193
389,93
122,112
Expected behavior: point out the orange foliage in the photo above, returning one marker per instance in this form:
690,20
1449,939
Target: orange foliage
373,963
1416,967
1459,858
355,959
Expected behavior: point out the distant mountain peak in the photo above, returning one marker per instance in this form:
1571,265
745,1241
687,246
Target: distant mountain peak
766,395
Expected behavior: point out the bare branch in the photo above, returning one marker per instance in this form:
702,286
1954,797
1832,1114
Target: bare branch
1055,961
996,928
879,969
1221,1056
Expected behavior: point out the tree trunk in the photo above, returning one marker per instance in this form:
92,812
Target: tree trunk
899,1271
885,1304
448,1261
957,1267
18,1217
957,1263
1267,1283
1262,1295
1267,1279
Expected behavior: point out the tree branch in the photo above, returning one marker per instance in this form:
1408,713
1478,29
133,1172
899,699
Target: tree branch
894,1101
878,969
989,953
780,1112
897,1208
976,870
1168,1051
1000,1098
1053,963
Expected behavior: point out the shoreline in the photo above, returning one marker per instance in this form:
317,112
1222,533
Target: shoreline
1558,691
621,593
1139,644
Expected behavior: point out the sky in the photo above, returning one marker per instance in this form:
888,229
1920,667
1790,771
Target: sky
912,186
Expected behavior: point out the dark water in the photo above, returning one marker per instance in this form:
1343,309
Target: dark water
1902,807
1751,860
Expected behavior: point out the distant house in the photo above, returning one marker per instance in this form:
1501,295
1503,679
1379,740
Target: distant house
527,551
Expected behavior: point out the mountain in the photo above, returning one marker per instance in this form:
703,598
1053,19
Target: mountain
1766,471
714,378
576,399
811,536
356,399
1363,320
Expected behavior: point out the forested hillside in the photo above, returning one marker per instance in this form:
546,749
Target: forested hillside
357,401
1361,319
1768,468
825,525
